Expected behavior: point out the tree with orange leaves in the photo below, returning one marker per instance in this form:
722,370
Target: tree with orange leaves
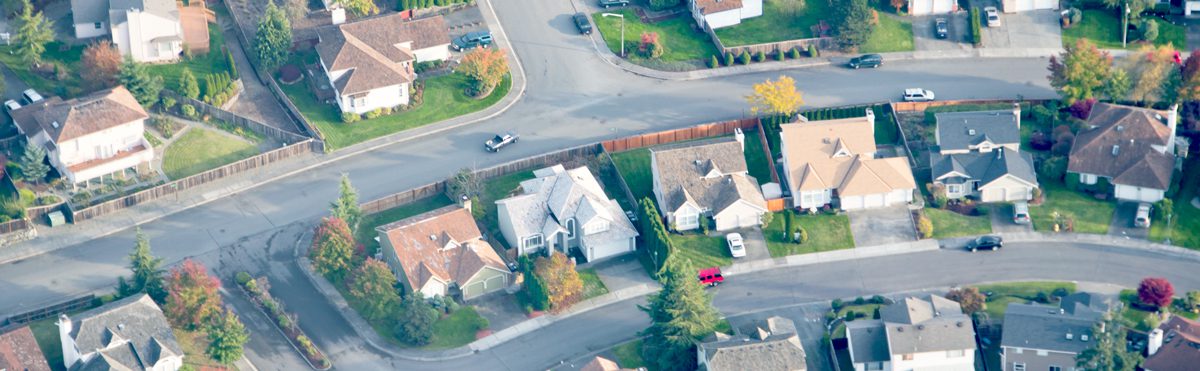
101,62
485,67
192,298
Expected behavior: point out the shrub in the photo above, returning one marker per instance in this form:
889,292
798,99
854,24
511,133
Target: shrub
744,58
759,56
837,304
374,113
794,53
1075,15
976,36
779,55
167,103
242,277
803,235
1040,141
651,46
728,59
813,52
1060,292
1042,297
1081,108
663,4
850,315
925,226
1041,114
350,117
1148,30
878,299
713,63
860,301
188,111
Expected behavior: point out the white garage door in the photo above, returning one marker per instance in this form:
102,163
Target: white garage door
852,203
602,251
1017,194
1023,5
1045,4
898,196
875,200
920,7
943,6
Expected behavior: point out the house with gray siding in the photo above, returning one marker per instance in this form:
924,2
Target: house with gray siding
916,333
1040,337
978,155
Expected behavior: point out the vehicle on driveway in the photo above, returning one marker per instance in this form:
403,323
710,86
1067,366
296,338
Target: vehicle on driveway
472,40
866,61
1142,218
711,276
31,96
985,243
582,23
737,247
940,29
992,15
917,95
500,141
1021,213
11,105
611,3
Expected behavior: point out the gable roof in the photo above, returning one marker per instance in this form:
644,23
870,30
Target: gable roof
66,120
933,323
868,341
19,351
1180,349
839,154
556,195
372,52
686,174
707,7
1122,146
166,9
131,333
444,244
89,11
775,348
985,167
961,130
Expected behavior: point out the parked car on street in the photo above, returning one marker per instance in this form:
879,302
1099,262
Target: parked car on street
1142,218
940,29
711,276
472,40
11,105
737,247
1021,213
985,243
31,96
500,141
992,15
917,95
866,61
610,3
582,23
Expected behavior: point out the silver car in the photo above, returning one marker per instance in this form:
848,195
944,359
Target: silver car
1142,218
737,247
993,16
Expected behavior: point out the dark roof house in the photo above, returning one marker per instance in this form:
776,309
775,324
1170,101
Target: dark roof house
777,347
928,325
377,51
127,334
1066,328
1128,145
1174,346
960,131
19,351
982,167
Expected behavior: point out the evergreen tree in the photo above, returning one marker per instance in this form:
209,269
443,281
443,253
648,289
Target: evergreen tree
415,324
33,33
147,272
853,22
273,41
1109,352
346,205
681,314
188,85
33,166
227,338
144,86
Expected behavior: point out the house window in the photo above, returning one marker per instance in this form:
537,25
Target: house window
985,148
874,366
1087,178
597,227
907,357
533,241
570,228
954,353
97,25
688,220
358,102
811,198
1018,367
954,188
1055,368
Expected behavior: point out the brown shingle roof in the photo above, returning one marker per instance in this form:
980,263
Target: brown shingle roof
716,6
66,120
1131,133
713,175
371,49
421,245
19,351
1180,349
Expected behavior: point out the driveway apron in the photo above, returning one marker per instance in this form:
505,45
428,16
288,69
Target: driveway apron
874,227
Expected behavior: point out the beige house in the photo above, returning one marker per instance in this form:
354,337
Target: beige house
91,136
144,30
442,253
693,182
824,160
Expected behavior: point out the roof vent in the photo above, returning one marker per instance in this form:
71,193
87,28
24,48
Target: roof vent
825,140
54,124
121,326
1083,337
970,131
1116,149
698,162
899,328
1070,336
1120,127
1158,116
433,237
959,324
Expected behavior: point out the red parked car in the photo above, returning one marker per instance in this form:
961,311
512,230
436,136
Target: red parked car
711,276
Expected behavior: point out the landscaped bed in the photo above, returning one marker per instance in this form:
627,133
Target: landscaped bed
677,36
1103,28
1089,214
216,61
951,224
826,232
201,149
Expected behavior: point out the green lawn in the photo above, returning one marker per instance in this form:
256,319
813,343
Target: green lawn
703,251
195,346
497,189
892,34
629,355
71,87
444,98
1103,28
592,285
1090,215
201,149
1185,224
677,36
951,224
457,329
757,162
1140,319
825,233
635,168
1018,292
46,334
779,24
216,61
366,227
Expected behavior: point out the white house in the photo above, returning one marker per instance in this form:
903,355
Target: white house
1131,148
824,160
91,136
1013,6
442,253
714,14
695,181
127,334
928,7
929,333
370,62
144,30
561,210
978,154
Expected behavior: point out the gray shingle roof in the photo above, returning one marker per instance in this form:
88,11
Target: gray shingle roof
162,8
370,49
557,194
712,175
89,11
776,348
135,319
868,341
934,323
985,167
955,128
1034,326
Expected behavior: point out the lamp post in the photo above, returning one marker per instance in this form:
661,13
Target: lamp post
1125,25
622,17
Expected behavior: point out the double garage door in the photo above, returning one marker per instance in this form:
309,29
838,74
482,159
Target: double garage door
875,200
1013,6
923,7
484,286
1006,194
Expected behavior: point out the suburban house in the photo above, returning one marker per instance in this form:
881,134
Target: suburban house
370,62
1174,345
929,333
127,334
1131,148
978,155
442,253
1187,6
1013,6
19,351
714,14
775,348
91,136
603,364
698,180
824,160
1042,337
563,210
145,30
928,7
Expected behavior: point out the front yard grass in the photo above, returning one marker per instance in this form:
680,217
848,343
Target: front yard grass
444,98
1103,28
366,227
703,251
46,334
629,355
497,189
1185,224
1090,215
56,52
677,36
892,34
779,24
201,149
825,233
635,168
1003,294
457,329
951,224
216,61
592,285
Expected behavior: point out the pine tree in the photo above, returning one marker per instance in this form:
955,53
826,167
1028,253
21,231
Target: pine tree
416,320
188,86
332,251
33,33
147,272
1109,352
227,338
273,41
144,86
681,314
33,166
346,205
853,22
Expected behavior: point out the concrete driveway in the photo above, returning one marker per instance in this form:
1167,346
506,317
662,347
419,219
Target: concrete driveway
620,272
882,226
1002,221
925,38
1122,222
1036,29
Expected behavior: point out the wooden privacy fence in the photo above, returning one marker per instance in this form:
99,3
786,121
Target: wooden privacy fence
281,135
294,111
669,136
173,188
921,106
403,198
81,302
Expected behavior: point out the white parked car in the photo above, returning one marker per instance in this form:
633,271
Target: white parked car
737,247
1142,218
993,16
917,95
11,105
31,96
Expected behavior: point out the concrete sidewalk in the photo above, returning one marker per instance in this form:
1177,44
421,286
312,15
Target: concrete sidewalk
1106,240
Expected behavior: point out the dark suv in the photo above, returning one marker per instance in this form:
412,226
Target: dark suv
472,40
985,243
582,23
940,28
866,61
608,3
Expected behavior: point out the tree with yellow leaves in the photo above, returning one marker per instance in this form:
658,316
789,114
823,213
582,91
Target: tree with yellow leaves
1155,75
563,285
779,97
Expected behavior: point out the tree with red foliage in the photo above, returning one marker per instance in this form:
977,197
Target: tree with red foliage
1082,108
1189,90
192,297
651,45
100,64
1156,291
333,249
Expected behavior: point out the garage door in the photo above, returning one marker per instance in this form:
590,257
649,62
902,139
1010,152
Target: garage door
1017,194
601,251
1045,4
852,203
943,6
920,7
898,196
875,200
